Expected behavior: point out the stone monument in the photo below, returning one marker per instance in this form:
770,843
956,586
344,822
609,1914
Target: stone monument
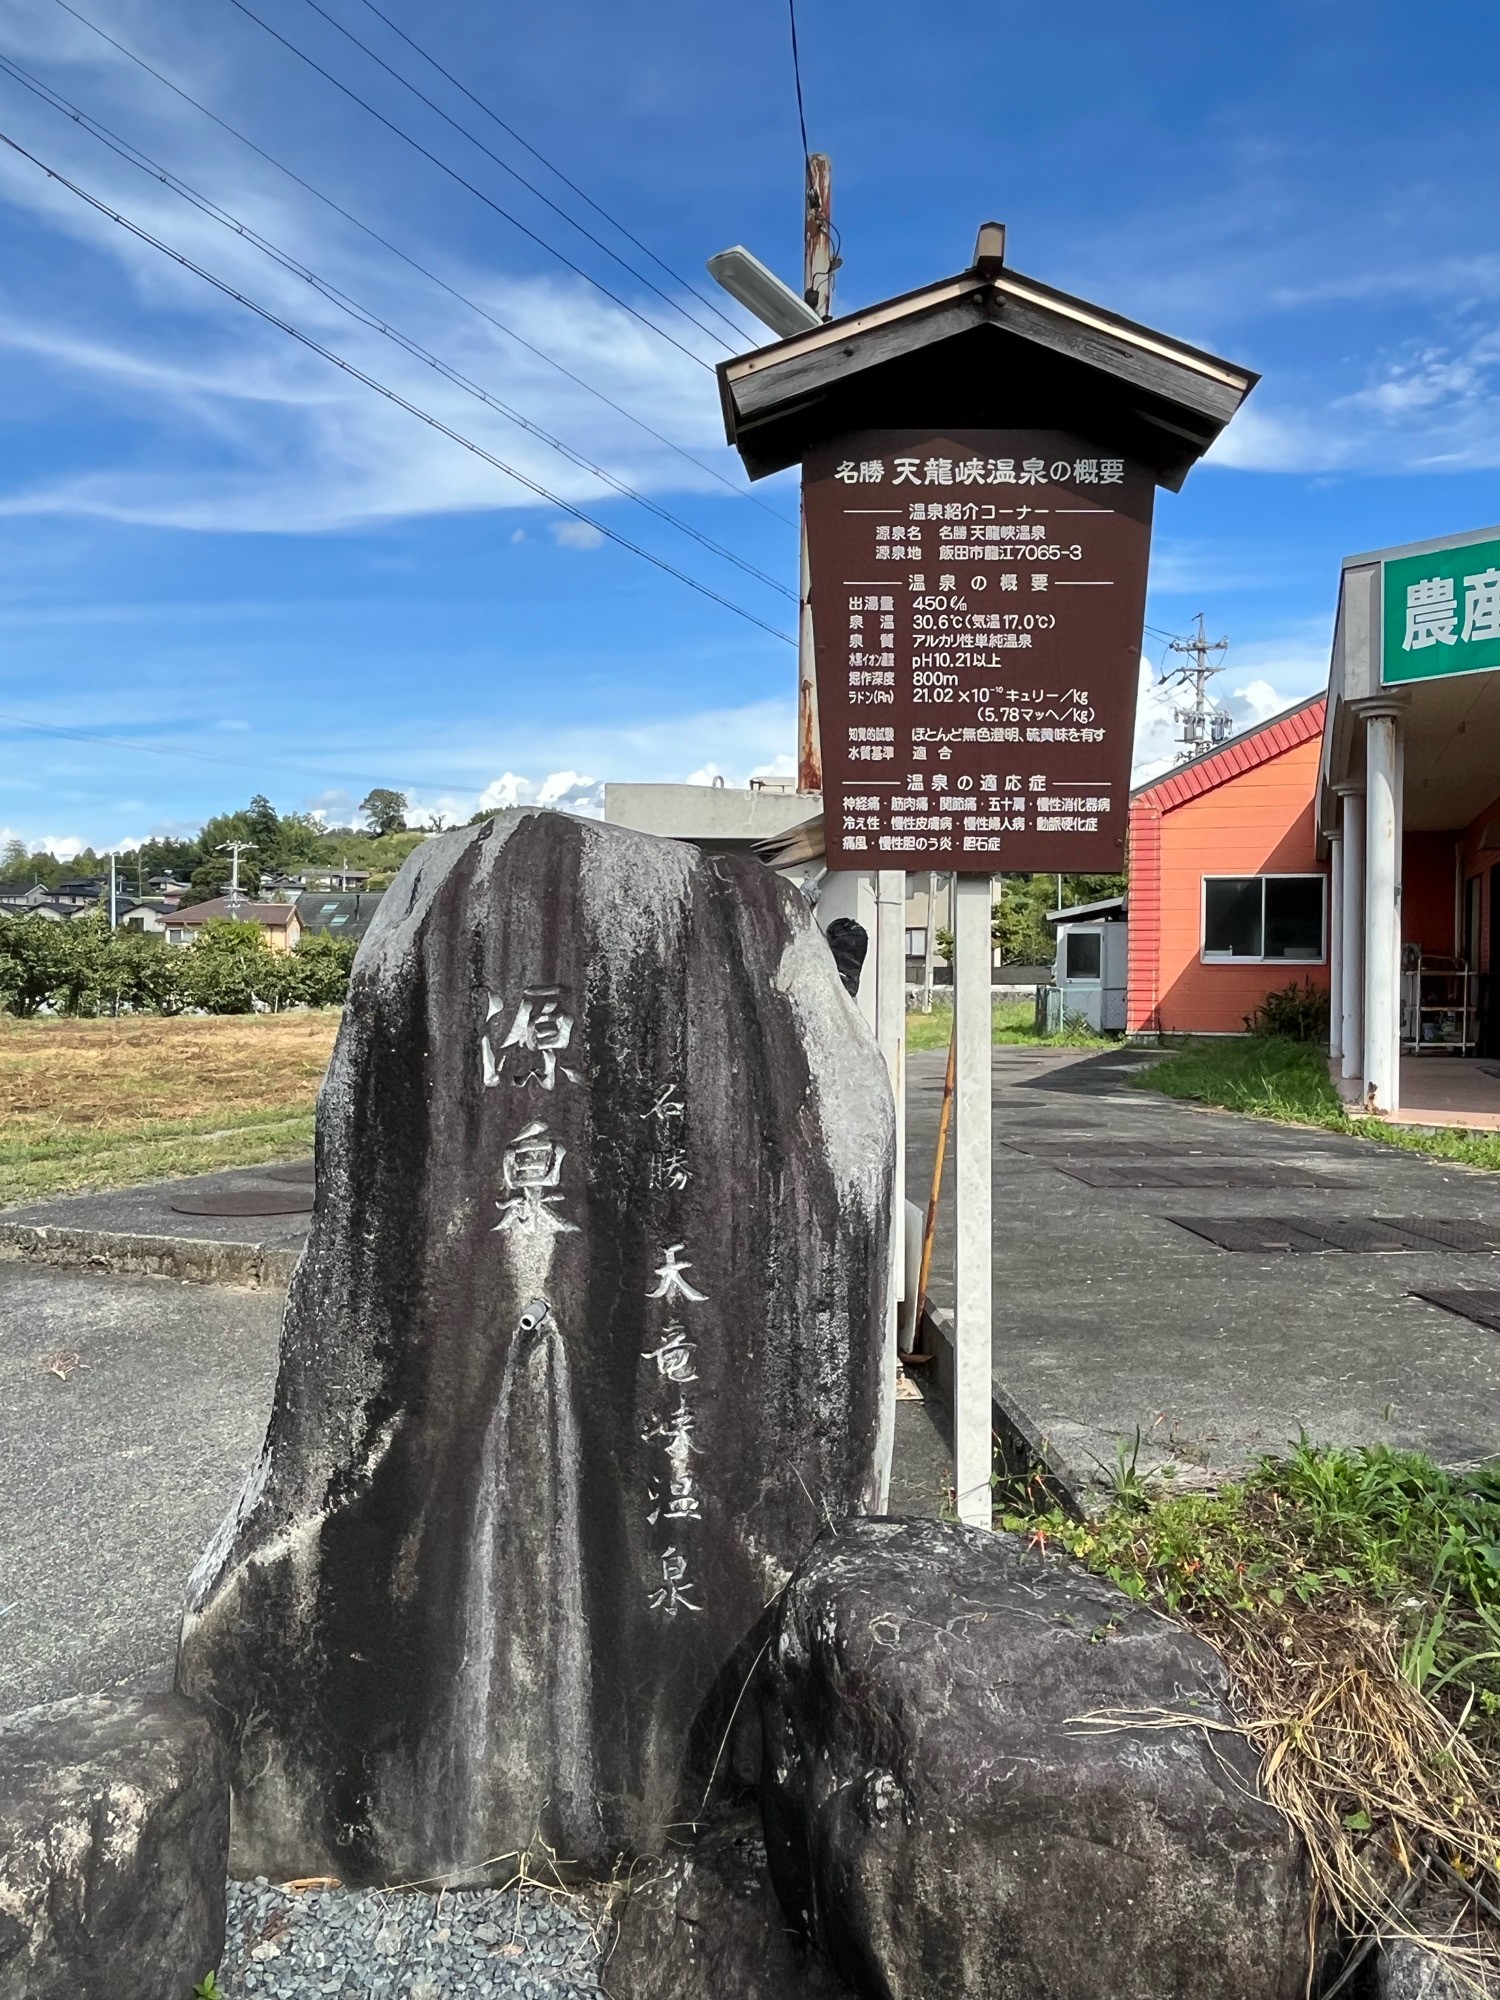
585,1346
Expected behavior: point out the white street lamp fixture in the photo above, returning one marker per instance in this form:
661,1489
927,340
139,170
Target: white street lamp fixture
761,292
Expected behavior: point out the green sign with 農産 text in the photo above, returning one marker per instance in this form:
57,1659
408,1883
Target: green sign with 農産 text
1440,613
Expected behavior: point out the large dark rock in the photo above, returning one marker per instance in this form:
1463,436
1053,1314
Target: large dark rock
704,1924
114,1842
944,1825
584,1346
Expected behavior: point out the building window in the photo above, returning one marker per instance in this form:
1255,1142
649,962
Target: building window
1263,918
916,944
1083,953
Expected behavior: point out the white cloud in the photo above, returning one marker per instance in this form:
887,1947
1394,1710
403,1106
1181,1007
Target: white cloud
567,791
1262,701
576,535
1155,728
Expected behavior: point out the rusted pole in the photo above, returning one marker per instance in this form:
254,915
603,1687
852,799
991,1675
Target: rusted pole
818,260
809,749
929,1233
818,266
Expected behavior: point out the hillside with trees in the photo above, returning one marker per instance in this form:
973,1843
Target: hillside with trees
280,843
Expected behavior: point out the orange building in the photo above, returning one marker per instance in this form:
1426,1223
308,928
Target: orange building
1228,896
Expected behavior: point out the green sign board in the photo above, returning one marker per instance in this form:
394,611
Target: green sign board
1441,614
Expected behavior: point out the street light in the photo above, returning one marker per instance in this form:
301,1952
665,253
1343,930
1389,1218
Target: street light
761,292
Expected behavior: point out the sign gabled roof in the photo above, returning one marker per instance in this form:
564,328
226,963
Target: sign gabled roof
1015,354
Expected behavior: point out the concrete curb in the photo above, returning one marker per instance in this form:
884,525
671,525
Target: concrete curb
192,1259
1021,1449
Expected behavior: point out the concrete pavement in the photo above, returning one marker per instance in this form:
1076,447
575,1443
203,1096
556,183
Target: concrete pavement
118,1462
1110,1316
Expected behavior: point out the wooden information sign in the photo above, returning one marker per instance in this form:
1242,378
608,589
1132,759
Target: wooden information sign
977,601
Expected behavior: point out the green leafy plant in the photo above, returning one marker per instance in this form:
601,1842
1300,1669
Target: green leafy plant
1298,1012
208,1988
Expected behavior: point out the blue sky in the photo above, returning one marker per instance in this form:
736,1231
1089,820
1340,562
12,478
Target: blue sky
215,544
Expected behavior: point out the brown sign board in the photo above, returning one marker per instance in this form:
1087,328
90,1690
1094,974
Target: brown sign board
977,602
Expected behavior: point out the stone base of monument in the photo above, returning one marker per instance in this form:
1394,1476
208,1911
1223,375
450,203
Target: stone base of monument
989,1775
114,1840
704,1924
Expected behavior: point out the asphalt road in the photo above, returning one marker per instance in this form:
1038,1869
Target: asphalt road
1111,1318
116,1468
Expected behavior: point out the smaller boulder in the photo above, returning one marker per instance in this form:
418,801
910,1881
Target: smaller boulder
1410,1970
990,1775
705,1924
114,1849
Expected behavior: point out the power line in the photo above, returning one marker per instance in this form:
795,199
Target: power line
143,163
505,167
614,221
391,395
479,194
797,78
432,277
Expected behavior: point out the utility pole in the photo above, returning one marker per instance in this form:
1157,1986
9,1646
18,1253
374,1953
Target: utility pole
1202,724
234,849
112,901
819,261
818,266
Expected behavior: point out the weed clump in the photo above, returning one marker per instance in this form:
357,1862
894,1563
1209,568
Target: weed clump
1355,1598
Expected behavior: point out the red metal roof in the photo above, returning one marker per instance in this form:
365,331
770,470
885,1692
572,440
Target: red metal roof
1231,760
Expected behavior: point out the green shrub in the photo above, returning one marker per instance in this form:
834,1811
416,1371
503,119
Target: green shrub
1298,1012
84,968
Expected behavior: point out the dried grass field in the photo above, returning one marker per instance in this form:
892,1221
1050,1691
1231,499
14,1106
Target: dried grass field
95,1104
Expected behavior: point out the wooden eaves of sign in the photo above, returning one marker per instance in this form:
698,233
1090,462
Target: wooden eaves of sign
989,349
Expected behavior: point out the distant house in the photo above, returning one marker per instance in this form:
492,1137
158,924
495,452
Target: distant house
337,916
279,921
83,892
29,906
342,878
147,914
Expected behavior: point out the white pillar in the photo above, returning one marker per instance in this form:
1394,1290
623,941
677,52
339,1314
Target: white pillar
1352,944
890,1032
1335,947
1382,1077
973,1358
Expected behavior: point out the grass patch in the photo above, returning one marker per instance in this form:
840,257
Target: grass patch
90,1104
1012,1022
1355,1598
1268,1077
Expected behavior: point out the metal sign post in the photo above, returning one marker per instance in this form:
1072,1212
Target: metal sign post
972,1361
890,1030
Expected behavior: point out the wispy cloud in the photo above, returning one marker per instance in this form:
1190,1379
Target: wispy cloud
254,433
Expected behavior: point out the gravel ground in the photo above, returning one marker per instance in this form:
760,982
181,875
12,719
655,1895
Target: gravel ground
471,1944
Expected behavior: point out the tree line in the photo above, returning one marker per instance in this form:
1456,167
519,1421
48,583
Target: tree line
84,967
279,843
